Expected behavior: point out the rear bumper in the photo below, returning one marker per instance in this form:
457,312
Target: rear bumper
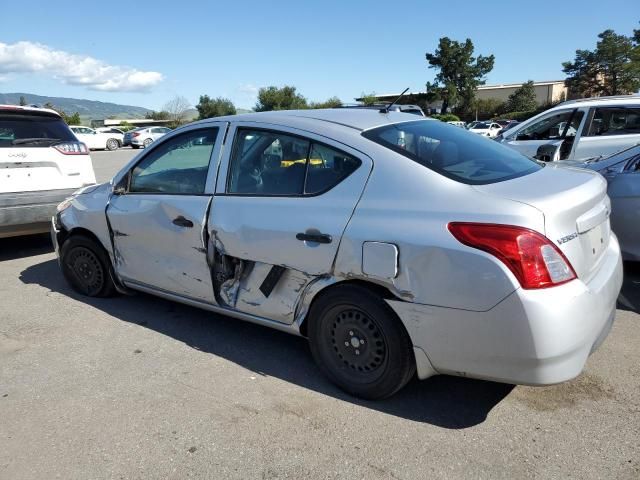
532,337
24,213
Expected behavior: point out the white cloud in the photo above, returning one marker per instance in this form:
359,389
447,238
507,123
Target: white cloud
249,89
28,57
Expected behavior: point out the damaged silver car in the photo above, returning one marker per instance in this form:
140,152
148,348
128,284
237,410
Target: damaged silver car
396,245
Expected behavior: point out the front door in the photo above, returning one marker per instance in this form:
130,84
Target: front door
158,220
284,197
558,125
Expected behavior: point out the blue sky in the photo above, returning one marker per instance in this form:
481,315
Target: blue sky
144,53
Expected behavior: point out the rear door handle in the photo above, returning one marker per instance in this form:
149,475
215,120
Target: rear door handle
182,222
314,237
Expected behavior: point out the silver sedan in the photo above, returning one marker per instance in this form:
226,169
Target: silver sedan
398,246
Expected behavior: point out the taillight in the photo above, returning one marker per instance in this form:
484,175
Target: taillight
71,148
135,134
533,259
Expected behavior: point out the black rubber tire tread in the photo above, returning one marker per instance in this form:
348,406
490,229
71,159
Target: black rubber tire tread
108,288
400,364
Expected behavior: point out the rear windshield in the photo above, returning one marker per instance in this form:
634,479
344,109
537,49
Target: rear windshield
453,152
16,129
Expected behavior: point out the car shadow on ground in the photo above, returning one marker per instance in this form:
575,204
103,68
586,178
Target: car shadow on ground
443,401
26,246
630,295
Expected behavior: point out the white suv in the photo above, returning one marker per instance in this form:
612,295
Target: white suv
580,129
42,163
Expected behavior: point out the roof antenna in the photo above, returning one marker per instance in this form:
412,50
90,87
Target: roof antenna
386,109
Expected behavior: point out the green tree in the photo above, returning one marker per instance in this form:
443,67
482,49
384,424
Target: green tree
332,102
613,68
71,119
523,99
368,98
214,107
161,115
23,101
274,98
459,73
488,107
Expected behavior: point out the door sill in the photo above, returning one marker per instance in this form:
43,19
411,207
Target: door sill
283,327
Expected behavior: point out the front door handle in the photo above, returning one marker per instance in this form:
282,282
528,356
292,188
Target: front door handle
314,237
182,222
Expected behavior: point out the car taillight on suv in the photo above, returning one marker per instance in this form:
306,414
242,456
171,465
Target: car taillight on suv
72,148
533,258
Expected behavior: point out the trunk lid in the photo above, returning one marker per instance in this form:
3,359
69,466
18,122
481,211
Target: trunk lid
576,210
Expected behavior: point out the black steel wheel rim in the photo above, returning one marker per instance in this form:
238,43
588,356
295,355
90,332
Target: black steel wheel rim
358,344
86,269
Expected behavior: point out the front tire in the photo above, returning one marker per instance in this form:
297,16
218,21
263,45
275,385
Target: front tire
359,342
86,267
147,142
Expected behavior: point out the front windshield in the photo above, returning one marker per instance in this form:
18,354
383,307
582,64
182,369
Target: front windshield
455,153
480,126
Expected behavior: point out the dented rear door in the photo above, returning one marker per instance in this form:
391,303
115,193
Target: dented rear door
158,220
300,231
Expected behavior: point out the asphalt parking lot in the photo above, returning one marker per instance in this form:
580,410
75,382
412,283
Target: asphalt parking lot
139,387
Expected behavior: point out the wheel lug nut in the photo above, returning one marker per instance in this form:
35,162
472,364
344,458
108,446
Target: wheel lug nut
362,340
351,332
357,352
346,344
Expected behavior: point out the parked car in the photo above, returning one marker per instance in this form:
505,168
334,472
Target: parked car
457,123
144,136
587,128
395,244
509,126
622,172
114,132
42,163
487,129
95,140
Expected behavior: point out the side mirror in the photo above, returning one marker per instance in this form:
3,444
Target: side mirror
120,188
549,152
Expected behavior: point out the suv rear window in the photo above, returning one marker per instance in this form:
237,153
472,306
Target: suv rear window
17,128
453,152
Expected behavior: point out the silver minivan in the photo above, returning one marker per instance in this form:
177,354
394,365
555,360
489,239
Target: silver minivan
582,129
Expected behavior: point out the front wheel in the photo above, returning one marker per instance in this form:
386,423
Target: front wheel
147,142
359,342
86,267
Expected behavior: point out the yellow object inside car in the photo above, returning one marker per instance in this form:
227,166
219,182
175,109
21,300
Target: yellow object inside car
312,161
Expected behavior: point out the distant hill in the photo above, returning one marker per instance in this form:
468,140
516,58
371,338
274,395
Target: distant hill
88,109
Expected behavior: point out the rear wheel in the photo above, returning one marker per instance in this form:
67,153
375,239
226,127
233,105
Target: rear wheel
359,343
147,142
86,267
112,144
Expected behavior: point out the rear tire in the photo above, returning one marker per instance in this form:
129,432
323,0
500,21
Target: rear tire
147,142
86,267
112,144
359,342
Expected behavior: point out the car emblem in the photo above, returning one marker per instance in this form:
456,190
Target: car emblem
18,155
568,238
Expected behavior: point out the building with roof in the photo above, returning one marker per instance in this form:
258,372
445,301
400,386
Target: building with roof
546,92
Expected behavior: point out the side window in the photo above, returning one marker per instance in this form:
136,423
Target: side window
548,128
615,121
327,168
267,163
271,163
176,166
